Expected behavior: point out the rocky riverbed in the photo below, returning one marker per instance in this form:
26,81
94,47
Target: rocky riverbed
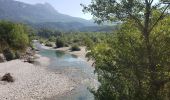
32,82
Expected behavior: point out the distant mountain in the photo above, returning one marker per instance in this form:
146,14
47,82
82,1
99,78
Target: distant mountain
41,16
38,13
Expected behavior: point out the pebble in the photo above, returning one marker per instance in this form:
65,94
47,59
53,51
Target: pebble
32,83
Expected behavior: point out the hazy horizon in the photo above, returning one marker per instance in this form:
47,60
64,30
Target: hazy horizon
71,7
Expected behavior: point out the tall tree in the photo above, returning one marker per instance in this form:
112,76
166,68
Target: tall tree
144,17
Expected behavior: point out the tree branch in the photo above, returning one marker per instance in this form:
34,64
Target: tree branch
137,21
160,17
151,1
133,17
147,15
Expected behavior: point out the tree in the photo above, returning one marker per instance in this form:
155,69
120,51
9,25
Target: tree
150,74
140,11
59,43
13,36
19,37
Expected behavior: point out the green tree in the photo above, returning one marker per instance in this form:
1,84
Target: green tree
135,65
19,37
13,36
59,43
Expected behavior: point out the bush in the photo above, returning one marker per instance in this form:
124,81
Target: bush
17,55
42,41
52,39
75,48
49,44
9,54
59,43
67,45
13,35
32,46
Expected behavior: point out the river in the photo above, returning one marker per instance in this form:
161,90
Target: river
76,69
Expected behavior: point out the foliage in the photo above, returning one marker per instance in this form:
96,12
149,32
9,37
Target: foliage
75,48
9,54
42,40
17,55
120,10
49,44
20,37
123,68
80,37
48,33
70,38
31,33
59,43
13,36
134,65
52,39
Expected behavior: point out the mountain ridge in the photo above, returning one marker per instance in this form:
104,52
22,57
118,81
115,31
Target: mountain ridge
37,13
43,16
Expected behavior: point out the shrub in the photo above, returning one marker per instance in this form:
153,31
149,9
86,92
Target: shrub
76,41
66,45
13,35
49,44
52,39
32,46
8,78
9,54
59,43
42,41
17,55
75,48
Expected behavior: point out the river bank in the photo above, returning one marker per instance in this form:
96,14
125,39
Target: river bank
81,54
32,82
75,67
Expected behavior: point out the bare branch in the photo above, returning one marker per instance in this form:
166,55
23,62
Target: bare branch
137,20
151,1
160,17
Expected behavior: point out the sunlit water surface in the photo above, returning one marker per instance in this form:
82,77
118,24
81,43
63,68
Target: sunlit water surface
76,69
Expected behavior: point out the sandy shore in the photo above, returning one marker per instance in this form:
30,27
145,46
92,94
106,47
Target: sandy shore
32,82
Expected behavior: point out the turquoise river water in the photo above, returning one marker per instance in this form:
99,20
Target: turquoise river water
76,69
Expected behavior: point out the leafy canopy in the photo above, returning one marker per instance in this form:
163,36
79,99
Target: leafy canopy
133,64
13,36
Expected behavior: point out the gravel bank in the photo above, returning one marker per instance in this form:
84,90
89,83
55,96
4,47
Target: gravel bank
32,82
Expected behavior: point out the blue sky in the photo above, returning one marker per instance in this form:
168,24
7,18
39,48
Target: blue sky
69,7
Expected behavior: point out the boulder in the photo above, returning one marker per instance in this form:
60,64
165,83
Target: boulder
30,59
7,77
